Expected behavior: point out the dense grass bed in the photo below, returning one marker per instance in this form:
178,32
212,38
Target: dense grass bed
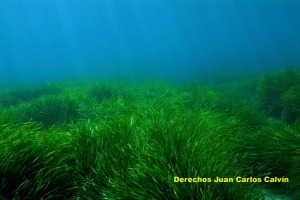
152,139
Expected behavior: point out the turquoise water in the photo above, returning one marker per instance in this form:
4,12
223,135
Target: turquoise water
83,131
58,39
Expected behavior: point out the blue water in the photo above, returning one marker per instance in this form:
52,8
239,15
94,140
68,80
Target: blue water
54,39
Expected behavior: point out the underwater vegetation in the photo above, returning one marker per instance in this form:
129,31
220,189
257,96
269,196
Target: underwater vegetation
278,93
54,109
135,140
17,95
101,92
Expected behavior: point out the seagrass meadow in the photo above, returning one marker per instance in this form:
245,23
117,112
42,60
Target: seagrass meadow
153,139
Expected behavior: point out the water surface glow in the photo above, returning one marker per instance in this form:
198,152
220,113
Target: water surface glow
65,38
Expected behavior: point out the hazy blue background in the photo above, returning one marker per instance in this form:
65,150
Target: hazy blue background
53,39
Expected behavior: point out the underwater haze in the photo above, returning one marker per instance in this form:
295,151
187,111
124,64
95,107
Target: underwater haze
58,39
